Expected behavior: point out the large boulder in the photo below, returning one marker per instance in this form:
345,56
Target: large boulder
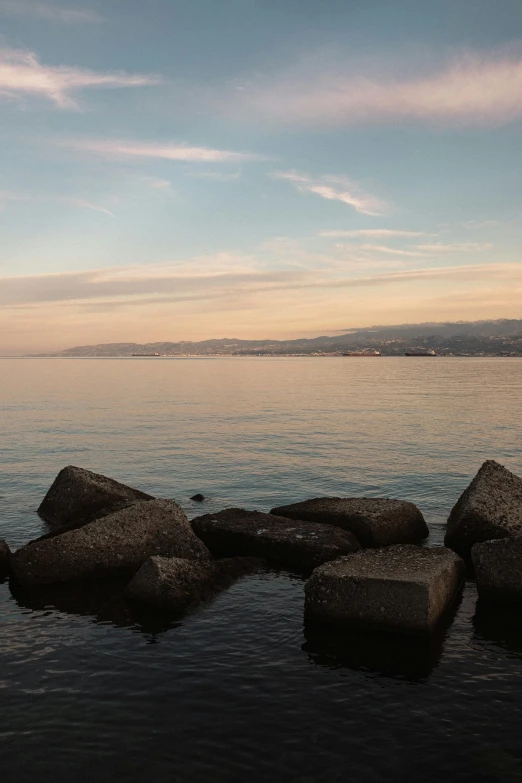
117,543
176,584
491,507
399,588
373,521
498,569
236,532
78,496
5,558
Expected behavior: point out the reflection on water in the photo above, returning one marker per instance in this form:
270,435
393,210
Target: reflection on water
500,625
237,691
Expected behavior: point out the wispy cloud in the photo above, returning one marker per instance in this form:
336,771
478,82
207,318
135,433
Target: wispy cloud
457,247
36,10
125,150
6,196
22,75
372,232
230,277
473,88
335,188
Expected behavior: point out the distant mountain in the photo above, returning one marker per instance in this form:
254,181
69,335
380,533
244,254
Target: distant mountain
500,337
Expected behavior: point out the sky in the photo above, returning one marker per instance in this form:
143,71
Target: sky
188,169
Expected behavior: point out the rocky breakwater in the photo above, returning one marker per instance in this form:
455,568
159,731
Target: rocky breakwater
490,508
118,543
176,584
400,588
77,496
374,522
304,545
498,569
5,560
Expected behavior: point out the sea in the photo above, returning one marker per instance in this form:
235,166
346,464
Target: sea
240,691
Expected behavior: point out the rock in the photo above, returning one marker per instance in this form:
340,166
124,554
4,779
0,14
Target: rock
117,543
236,532
498,569
399,588
5,557
78,496
491,507
176,584
199,498
373,521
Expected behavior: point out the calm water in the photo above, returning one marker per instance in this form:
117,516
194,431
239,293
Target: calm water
238,691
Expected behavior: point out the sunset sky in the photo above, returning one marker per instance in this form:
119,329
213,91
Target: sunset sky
187,169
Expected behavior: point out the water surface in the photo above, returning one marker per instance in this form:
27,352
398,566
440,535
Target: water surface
239,690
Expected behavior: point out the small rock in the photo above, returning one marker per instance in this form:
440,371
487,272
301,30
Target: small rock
400,588
491,507
236,532
498,569
177,584
199,498
373,521
78,496
5,557
117,543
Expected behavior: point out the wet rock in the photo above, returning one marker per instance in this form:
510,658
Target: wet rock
373,521
236,532
400,588
198,497
5,557
175,584
117,543
78,496
498,569
491,507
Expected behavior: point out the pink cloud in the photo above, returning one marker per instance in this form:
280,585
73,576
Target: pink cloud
22,75
335,189
472,89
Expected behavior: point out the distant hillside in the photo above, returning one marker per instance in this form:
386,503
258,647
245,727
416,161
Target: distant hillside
495,338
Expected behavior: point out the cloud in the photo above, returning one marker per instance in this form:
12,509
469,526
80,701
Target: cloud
6,196
230,278
457,247
36,10
473,88
372,232
22,74
125,150
335,189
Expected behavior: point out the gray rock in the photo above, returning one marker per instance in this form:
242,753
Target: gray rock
78,496
491,507
117,543
373,521
5,557
176,584
498,569
400,588
236,532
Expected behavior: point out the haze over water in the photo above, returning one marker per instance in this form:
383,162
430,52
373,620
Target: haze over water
235,691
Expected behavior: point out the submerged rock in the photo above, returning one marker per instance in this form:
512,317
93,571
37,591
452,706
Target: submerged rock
498,569
5,557
176,584
491,507
236,532
78,496
117,543
399,588
373,521
198,497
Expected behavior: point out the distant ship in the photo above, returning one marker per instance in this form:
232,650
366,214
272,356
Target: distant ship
429,352
145,354
362,353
